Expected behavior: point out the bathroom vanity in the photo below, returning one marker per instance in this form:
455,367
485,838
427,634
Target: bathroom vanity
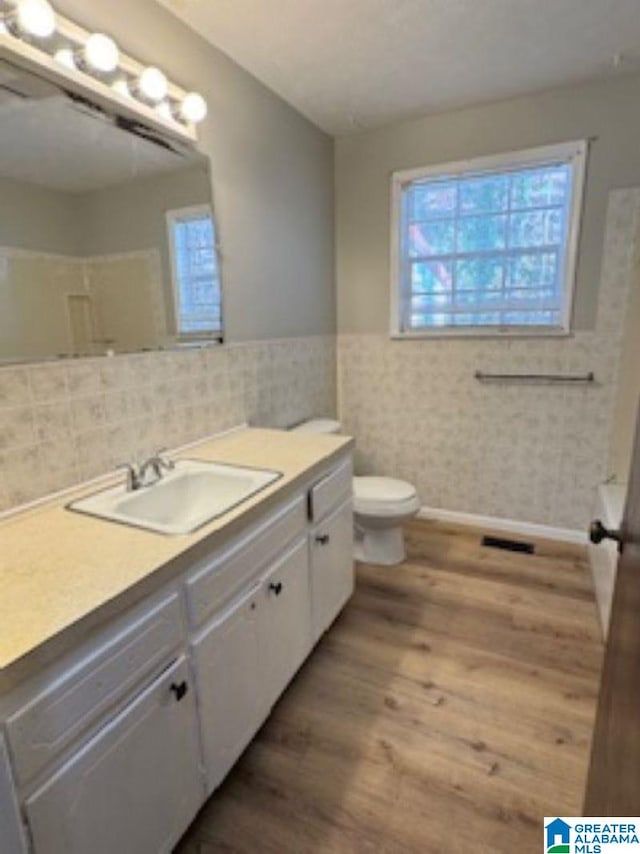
135,667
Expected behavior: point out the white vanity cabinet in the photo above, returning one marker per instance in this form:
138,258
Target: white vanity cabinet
135,787
115,746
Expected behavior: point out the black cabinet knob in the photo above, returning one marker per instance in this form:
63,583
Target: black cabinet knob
179,690
276,587
323,539
598,533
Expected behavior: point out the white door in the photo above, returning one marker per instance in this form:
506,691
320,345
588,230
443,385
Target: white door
287,623
135,787
332,578
229,660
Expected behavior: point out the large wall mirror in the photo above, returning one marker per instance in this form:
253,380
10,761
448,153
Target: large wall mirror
107,237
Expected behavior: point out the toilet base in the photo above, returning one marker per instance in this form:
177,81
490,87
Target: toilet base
381,547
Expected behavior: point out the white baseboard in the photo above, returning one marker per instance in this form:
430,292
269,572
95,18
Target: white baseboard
513,526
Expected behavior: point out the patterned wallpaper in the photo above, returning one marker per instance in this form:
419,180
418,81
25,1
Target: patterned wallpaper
529,452
65,422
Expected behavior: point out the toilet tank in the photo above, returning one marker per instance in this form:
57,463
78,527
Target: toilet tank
318,425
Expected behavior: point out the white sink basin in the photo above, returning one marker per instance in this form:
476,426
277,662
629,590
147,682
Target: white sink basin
186,498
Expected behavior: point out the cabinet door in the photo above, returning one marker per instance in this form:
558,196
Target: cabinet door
332,578
135,787
229,659
287,619
12,839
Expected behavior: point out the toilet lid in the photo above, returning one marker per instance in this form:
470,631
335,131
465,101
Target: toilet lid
377,491
318,425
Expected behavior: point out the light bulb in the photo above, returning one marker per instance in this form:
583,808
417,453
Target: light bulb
153,84
121,86
193,108
65,57
164,109
101,53
36,17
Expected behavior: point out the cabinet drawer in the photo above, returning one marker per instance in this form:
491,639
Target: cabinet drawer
76,700
219,581
331,490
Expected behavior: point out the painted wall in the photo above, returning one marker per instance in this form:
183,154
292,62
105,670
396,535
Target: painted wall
272,174
365,161
37,219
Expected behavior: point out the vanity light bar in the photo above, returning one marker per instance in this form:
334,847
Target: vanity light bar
35,26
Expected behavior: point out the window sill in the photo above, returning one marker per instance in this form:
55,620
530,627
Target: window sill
475,332
199,343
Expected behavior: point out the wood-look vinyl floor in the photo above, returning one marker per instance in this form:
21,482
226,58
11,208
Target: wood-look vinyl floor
449,709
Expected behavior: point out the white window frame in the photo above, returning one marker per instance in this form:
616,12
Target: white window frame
172,216
576,152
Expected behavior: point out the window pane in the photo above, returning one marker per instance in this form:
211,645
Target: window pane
429,201
479,273
431,276
538,187
418,320
481,233
533,297
532,270
532,318
481,319
537,228
487,249
485,194
478,298
430,302
432,238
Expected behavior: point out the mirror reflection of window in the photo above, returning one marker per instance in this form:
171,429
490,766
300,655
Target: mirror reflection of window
195,273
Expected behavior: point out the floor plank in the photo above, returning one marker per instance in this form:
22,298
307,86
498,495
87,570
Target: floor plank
449,708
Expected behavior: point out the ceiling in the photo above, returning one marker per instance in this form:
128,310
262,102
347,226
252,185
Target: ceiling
350,64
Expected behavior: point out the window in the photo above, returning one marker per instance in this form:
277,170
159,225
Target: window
487,246
195,273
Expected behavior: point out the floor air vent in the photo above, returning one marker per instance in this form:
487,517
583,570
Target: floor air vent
508,545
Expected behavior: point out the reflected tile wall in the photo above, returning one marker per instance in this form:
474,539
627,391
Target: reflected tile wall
528,452
65,422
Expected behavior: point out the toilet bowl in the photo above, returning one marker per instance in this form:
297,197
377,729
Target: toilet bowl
380,505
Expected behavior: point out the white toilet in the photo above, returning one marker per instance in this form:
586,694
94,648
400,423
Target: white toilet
380,504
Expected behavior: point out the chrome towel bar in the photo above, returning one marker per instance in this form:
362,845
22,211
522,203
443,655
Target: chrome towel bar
550,378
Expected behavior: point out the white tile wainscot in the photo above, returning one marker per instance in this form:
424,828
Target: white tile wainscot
64,422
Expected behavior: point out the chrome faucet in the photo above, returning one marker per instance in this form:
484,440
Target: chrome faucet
133,476
157,464
137,476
